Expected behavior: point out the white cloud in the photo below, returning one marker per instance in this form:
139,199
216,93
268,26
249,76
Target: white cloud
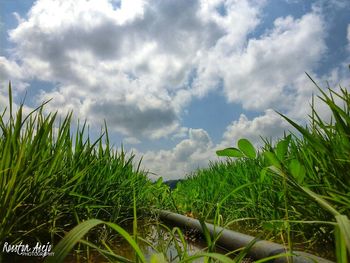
133,58
262,73
132,140
307,93
270,125
198,149
3,101
266,72
186,156
241,19
128,64
9,68
132,63
137,64
11,71
331,4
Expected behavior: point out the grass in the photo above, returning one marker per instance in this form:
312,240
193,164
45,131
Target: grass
52,178
298,188
57,184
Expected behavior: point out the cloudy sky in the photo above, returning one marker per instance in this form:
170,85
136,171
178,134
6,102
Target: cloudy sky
174,79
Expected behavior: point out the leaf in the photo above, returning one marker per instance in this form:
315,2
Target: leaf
271,157
272,225
65,246
344,227
282,147
62,249
297,170
321,201
247,148
314,141
271,258
230,152
158,258
206,233
159,182
268,226
263,175
234,191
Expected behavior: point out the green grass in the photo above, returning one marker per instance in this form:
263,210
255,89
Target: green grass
298,188
53,177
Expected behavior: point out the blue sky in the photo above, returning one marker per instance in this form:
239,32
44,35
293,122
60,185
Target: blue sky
175,80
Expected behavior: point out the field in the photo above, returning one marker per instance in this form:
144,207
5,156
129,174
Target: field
54,179
292,189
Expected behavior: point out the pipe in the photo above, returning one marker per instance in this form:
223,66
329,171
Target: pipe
232,240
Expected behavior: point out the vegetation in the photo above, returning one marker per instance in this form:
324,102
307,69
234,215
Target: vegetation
57,184
298,188
52,178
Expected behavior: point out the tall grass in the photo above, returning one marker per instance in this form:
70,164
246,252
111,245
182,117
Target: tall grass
315,160
52,178
169,237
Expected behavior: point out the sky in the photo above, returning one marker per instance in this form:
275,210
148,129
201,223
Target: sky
175,80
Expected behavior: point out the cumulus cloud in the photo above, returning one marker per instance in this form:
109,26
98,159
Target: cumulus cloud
3,101
189,154
240,19
9,68
11,71
126,63
270,125
198,149
262,73
137,64
331,4
112,59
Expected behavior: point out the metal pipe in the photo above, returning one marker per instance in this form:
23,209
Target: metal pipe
232,240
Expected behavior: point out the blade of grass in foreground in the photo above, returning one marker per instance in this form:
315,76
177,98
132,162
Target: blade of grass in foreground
344,226
73,237
109,254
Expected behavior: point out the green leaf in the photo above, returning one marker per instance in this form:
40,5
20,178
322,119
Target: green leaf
282,147
65,246
158,258
271,158
307,135
272,225
230,152
271,258
159,182
344,227
321,201
62,249
297,170
247,148
206,234
263,173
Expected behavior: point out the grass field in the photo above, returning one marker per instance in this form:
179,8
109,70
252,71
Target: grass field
294,188
54,179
